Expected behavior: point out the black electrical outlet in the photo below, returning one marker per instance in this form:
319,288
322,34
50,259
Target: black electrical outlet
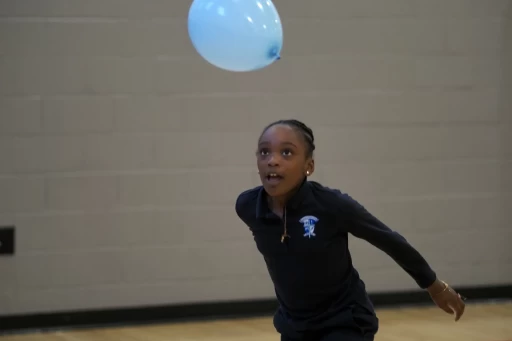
6,240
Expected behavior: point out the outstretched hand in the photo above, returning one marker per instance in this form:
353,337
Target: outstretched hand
447,299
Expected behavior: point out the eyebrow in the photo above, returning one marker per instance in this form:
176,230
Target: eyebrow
283,143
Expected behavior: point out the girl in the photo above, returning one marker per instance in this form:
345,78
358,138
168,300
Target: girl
301,229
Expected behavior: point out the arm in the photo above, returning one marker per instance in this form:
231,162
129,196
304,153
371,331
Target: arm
362,224
245,205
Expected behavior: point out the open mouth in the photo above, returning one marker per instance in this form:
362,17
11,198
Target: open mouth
274,177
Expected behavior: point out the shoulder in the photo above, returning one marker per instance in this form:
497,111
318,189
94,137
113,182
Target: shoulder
334,199
246,201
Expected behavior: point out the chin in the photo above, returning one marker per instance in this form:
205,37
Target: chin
275,191
272,192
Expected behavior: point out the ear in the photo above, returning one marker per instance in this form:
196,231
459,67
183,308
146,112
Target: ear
310,167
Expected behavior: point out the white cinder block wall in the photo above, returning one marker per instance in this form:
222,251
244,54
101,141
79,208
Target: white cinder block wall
122,152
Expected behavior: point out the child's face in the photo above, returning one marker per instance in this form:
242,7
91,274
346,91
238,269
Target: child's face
282,160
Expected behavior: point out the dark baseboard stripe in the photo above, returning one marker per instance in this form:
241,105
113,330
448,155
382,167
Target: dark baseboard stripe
206,311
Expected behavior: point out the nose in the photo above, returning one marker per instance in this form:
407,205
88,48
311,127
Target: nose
273,161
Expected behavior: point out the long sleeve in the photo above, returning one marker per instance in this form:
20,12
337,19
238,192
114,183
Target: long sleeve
362,224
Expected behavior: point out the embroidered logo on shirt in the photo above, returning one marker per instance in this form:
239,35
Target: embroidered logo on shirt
309,222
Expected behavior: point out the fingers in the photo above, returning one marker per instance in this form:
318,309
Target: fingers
460,311
448,309
451,302
457,306
456,311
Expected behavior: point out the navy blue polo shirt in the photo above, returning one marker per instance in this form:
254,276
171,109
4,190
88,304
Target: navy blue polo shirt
315,282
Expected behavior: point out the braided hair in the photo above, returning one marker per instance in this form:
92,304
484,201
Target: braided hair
300,127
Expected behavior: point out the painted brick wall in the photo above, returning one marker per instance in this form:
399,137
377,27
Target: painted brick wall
122,152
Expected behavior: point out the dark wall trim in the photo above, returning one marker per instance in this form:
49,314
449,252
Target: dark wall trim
204,311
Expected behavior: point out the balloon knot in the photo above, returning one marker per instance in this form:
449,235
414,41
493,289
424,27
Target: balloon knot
274,53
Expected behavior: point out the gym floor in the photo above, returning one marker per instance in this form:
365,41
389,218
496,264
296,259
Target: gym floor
481,322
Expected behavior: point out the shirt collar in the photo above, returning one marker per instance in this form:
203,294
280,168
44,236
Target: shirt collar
262,209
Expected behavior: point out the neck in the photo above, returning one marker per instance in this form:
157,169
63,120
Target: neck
279,202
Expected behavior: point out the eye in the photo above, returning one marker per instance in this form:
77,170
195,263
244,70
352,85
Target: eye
287,152
264,151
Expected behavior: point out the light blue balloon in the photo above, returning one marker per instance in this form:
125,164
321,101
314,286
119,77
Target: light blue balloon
236,35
